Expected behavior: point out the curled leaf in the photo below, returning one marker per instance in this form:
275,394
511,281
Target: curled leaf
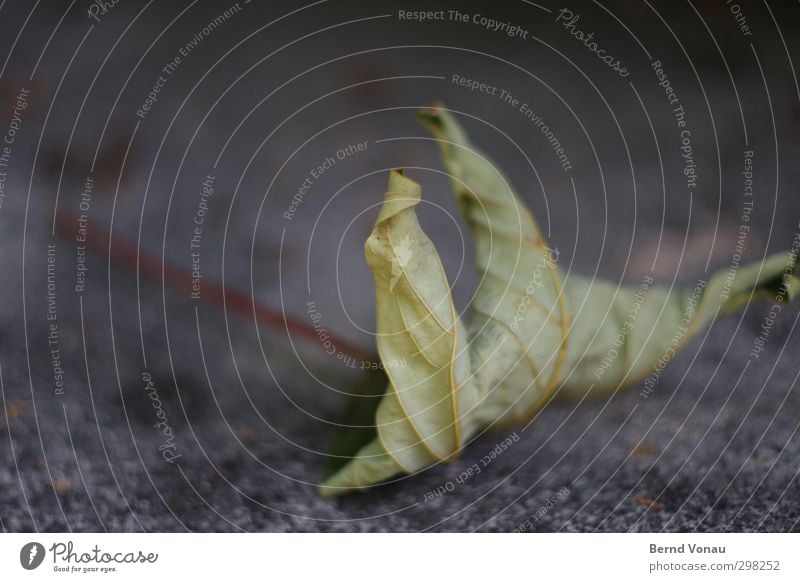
422,345
533,332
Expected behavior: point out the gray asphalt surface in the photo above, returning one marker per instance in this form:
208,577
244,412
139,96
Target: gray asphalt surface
251,409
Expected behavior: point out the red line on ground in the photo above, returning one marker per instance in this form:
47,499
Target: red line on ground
181,281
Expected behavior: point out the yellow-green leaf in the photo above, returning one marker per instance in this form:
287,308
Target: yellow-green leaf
534,331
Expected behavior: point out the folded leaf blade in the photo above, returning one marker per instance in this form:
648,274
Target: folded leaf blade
420,340
519,301
639,328
534,331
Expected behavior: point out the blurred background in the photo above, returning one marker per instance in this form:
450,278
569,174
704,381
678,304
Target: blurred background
180,324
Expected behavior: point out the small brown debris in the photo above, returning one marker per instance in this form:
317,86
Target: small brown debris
62,485
643,450
14,408
649,503
248,434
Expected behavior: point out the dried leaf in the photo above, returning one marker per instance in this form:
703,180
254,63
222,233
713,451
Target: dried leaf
649,503
643,451
61,486
14,408
533,332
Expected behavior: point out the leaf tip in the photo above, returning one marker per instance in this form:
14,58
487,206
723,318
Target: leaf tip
402,193
431,117
400,183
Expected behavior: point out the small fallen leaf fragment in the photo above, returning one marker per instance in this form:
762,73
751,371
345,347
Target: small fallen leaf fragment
14,408
643,450
62,485
649,503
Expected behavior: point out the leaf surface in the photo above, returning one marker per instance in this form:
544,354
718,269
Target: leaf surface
534,331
